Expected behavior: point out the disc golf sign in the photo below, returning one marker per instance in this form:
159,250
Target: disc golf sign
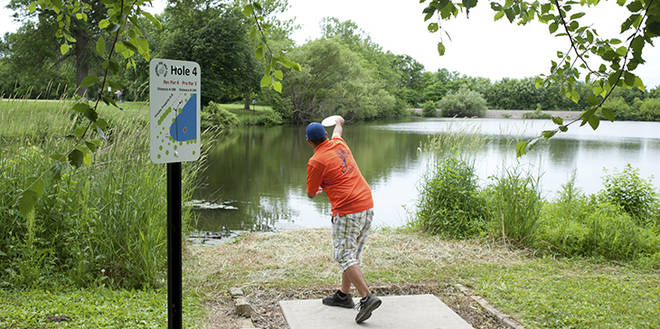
174,98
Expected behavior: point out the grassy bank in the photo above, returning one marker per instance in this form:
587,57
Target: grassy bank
217,115
92,308
95,249
540,292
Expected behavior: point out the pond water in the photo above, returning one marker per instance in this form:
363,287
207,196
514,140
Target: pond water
257,175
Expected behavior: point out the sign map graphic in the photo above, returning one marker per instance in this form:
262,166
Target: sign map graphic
174,106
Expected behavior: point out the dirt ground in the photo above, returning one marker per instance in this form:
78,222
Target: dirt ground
268,314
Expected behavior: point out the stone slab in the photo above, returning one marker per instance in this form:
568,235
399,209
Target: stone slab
400,312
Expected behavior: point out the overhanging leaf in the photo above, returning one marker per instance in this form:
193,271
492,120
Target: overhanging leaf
266,80
88,80
277,86
75,158
607,114
441,49
100,46
547,134
247,10
81,107
594,122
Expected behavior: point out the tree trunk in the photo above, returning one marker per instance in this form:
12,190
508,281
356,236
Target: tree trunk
246,105
80,48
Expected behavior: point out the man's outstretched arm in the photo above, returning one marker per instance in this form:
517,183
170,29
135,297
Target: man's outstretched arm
338,127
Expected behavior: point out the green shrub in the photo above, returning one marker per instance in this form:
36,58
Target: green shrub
463,103
619,107
429,108
649,110
515,205
260,118
383,104
215,116
589,227
559,232
450,204
537,114
633,193
281,105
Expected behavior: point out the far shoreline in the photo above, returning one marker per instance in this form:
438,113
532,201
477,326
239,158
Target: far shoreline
518,114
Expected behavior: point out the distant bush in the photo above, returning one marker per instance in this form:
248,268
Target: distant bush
515,205
260,118
633,193
649,110
641,110
281,105
619,107
463,103
450,204
536,115
213,115
384,105
429,108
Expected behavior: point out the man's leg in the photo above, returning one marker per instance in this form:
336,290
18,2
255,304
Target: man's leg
353,274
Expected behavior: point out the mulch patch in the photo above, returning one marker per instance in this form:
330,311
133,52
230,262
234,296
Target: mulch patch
268,314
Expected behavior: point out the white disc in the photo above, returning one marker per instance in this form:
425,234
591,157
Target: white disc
330,121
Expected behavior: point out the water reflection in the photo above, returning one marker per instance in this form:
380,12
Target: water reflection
262,170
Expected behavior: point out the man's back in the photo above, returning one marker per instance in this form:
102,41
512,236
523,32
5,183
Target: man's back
334,169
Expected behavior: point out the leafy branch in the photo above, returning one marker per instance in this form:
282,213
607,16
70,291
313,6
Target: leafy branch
116,23
584,41
273,74
588,116
570,37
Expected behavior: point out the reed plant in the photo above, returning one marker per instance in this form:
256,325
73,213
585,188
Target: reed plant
103,224
450,204
515,205
464,139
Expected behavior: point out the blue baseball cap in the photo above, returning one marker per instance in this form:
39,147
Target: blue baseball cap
315,132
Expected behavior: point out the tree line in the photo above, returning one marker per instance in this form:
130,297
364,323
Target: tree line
343,72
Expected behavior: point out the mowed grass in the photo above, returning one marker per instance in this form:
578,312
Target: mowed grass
46,118
93,308
539,292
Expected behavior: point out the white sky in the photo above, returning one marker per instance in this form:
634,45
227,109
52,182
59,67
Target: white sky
478,47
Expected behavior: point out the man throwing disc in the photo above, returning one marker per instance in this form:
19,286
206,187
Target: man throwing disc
332,169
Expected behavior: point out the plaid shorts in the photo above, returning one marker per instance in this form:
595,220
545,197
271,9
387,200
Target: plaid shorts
348,235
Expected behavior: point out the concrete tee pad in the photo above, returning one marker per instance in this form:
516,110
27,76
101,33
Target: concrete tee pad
400,312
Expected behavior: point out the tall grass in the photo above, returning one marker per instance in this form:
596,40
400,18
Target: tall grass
515,204
450,204
103,224
462,140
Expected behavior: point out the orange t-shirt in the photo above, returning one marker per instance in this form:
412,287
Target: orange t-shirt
333,168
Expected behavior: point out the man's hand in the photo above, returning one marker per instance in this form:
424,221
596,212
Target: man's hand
336,132
319,191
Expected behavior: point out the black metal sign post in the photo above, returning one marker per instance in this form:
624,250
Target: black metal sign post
175,136
174,294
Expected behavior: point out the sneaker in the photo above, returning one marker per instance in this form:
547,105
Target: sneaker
337,300
367,305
